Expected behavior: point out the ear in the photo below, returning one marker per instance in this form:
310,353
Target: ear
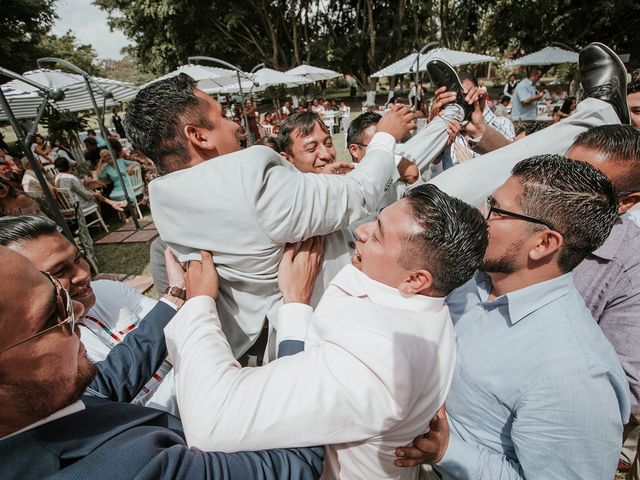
627,202
548,243
199,137
416,282
353,150
287,157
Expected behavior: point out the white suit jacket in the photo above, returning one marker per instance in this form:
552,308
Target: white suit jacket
376,367
244,207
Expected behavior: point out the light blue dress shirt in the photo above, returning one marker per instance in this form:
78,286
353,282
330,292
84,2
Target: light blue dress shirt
519,111
538,392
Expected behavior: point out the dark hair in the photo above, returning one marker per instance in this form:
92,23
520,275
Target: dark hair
91,131
267,141
530,127
534,70
452,240
20,229
505,98
116,145
359,125
301,124
471,78
157,115
12,190
618,144
91,141
633,87
566,105
574,197
62,164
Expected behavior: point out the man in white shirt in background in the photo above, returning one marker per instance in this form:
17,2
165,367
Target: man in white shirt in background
379,348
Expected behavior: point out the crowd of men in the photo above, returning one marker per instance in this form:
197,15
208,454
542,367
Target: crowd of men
479,325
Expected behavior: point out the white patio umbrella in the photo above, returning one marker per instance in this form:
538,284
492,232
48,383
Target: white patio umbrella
266,77
452,57
313,73
210,79
546,56
24,98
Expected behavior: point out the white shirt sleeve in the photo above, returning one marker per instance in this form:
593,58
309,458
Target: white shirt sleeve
293,322
315,397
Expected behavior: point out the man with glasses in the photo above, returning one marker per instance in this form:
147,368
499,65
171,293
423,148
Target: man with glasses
48,427
538,392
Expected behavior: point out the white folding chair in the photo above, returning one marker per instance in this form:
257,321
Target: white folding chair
67,201
137,183
329,119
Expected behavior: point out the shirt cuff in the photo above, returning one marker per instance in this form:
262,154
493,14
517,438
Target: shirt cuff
455,456
293,321
382,141
172,305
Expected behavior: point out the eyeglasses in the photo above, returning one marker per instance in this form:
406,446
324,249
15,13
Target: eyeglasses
64,314
490,208
360,144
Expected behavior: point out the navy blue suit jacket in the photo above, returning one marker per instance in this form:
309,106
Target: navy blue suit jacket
114,440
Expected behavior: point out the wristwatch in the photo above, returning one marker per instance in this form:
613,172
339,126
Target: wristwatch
177,292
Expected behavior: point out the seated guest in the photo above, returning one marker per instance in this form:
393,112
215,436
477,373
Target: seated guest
30,183
535,376
16,202
41,149
66,179
501,109
567,108
106,170
92,151
64,416
61,149
101,142
360,384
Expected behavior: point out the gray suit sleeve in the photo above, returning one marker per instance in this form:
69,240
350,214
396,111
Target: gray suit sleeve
158,265
179,463
131,363
290,206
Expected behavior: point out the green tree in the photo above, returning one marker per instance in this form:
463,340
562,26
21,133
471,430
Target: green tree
68,48
23,24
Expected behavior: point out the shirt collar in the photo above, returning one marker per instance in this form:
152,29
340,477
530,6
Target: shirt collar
526,300
68,410
611,245
355,283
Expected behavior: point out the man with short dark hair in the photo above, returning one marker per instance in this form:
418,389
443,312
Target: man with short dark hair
360,384
525,97
538,391
50,428
244,205
609,278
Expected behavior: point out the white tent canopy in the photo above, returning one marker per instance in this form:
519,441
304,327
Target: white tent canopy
453,57
25,99
210,79
313,73
546,56
266,77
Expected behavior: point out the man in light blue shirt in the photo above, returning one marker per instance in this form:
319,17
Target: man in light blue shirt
525,97
539,392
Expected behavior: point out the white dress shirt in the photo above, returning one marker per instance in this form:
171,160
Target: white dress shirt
245,206
376,367
118,310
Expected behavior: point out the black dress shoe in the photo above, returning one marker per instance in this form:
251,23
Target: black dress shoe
442,74
604,77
